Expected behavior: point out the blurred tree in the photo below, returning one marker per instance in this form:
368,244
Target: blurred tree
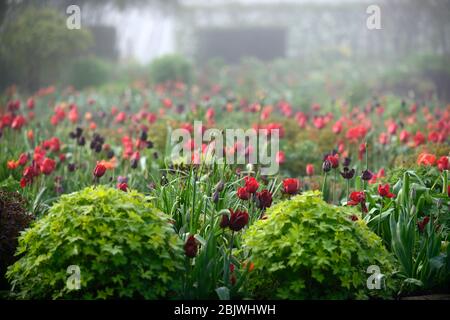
37,43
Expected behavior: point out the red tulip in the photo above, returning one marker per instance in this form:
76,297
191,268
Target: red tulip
264,199
384,191
334,160
392,128
23,159
30,103
291,185
404,136
122,186
18,122
383,138
99,170
443,163
12,164
422,224
243,193
358,197
238,220
225,221
251,184
280,157
337,127
47,166
310,169
191,247
426,159
419,139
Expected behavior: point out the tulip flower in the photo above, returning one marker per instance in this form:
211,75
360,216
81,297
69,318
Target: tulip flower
191,247
334,160
251,184
443,163
225,221
291,185
422,224
12,164
358,197
243,193
310,169
238,220
23,159
280,157
326,166
99,170
348,173
366,175
383,190
47,166
426,159
264,199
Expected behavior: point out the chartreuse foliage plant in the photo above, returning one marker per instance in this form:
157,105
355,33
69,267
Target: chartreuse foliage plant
123,246
308,249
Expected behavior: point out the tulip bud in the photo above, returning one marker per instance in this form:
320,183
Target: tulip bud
215,197
326,166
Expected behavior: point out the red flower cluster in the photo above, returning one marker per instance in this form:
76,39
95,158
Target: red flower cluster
428,159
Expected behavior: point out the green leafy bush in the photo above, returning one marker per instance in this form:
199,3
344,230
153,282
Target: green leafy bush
89,72
14,218
171,68
124,247
308,249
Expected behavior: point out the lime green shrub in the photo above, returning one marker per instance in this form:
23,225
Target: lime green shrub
308,249
124,247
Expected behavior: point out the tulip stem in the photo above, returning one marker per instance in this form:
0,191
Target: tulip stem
323,186
229,257
348,188
334,185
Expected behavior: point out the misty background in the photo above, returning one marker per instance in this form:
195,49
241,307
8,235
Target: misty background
409,54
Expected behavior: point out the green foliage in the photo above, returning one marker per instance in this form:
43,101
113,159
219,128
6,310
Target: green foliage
423,263
125,248
171,68
423,259
89,72
427,174
40,35
13,219
308,249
